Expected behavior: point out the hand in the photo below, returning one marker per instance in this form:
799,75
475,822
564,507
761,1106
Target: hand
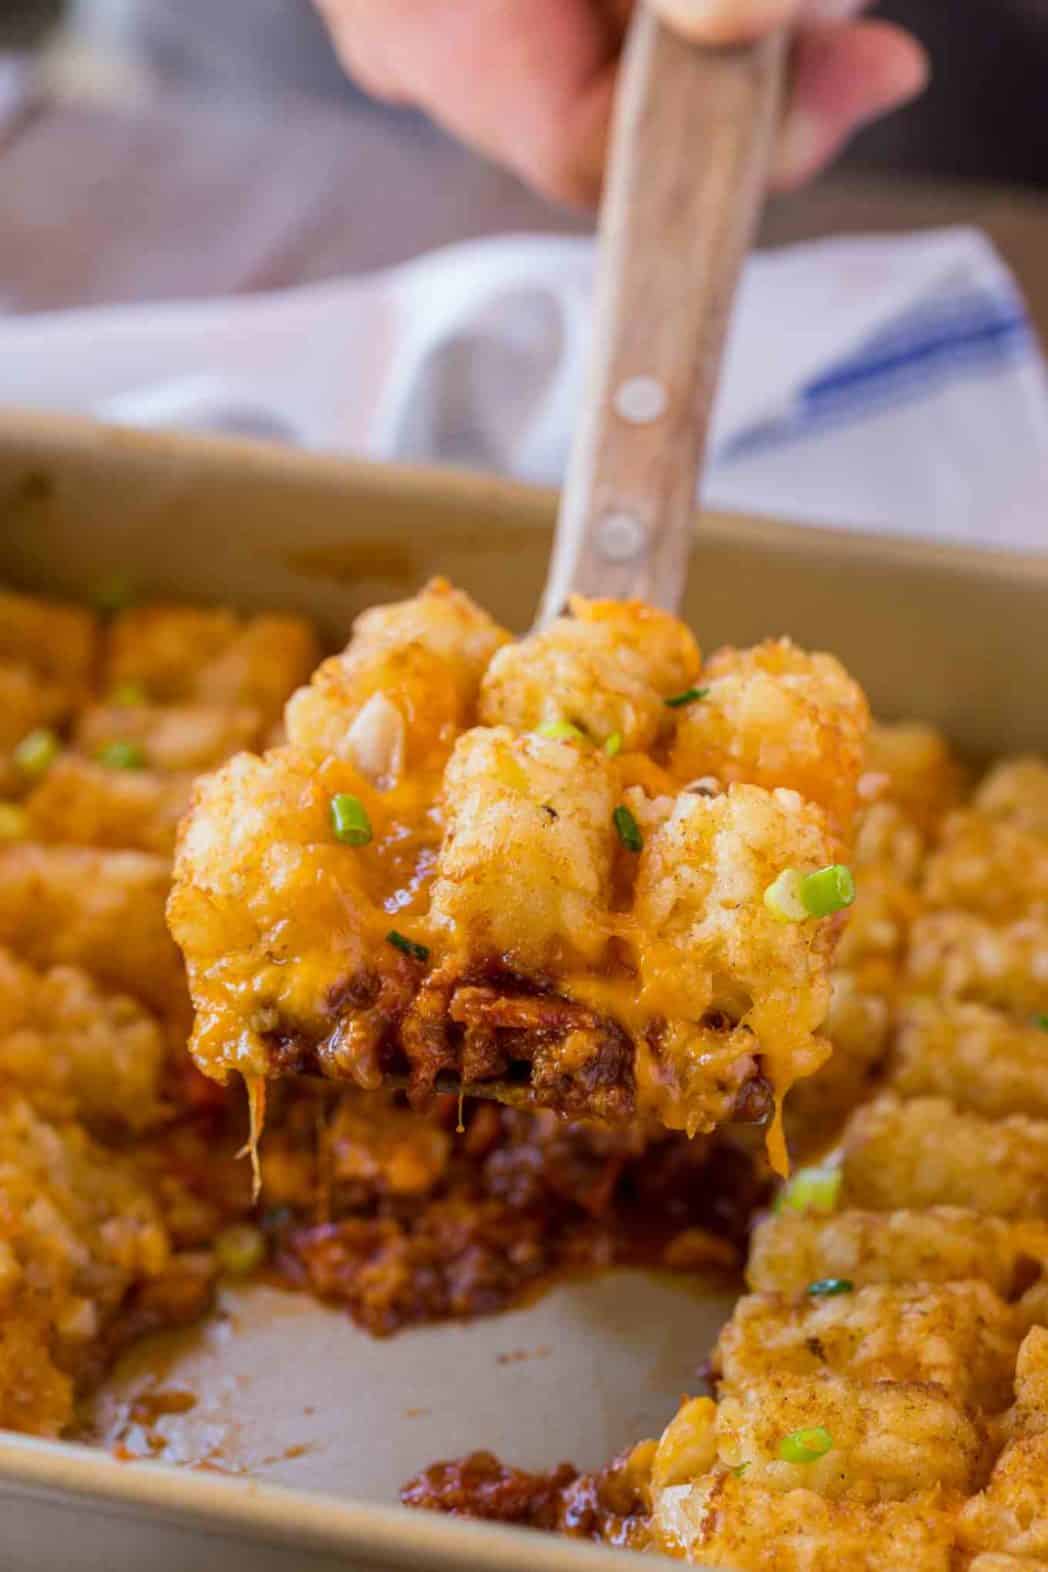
531,82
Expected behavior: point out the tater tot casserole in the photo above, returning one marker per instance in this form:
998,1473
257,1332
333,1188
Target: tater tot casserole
768,984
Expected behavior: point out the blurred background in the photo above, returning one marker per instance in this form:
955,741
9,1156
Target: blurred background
173,149
984,117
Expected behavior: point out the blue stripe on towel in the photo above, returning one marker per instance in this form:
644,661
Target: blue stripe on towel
938,342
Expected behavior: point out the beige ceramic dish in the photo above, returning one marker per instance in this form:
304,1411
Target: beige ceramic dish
327,1421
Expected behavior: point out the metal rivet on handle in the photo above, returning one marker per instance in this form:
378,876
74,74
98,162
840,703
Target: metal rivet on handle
620,536
640,400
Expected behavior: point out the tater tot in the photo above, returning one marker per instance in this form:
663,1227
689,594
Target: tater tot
927,1153
1016,792
525,868
102,911
80,802
960,1336
777,716
942,1244
708,942
608,669
404,686
974,1056
194,655
734,1522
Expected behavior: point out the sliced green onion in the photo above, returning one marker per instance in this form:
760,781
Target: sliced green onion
114,594
628,828
810,1190
830,1287
613,744
127,694
562,731
349,820
240,1249
795,896
805,1446
14,822
122,755
783,898
679,700
36,752
1041,1021
740,1469
827,891
418,952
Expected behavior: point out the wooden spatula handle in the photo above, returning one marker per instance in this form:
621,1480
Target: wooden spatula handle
694,129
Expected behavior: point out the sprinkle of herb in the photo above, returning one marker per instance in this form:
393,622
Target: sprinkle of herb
122,755
679,700
417,952
14,822
562,731
36,752
349,820
805,1446
782,898
127,694
114,594
628,828
827,891
795,896
240,1249
830,1287
810,1190
613,744
1041,1021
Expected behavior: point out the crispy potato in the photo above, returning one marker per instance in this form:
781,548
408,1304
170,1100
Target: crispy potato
777,716
59,642
608,668
102,911
1011,1514
977,1058
709,943
961,956
524,872
27,703
943,1244
405,685
887,840
47,656
920,775
989,867
174,737
884,1440
927,1153
858,1027
78,1229
77,1052
82,803
1015,792
960,1336
874,943
284,928
737,1523
185,655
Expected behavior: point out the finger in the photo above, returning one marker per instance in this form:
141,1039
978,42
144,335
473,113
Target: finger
741,21
843,77
727,21
529,85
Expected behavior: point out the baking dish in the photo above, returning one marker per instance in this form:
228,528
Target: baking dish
327,1421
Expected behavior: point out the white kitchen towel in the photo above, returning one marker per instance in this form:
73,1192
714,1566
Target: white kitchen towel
888,383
